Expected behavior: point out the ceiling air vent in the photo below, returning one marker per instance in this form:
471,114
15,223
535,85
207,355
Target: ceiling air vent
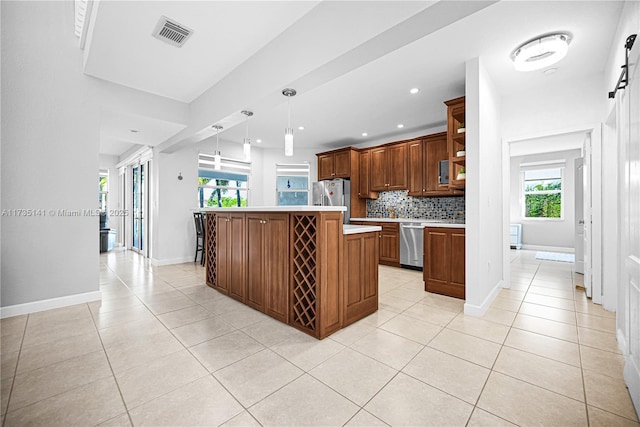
171,32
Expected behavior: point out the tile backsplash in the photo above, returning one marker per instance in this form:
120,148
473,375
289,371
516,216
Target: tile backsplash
415,207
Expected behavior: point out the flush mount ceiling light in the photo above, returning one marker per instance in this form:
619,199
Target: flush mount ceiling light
541,52
365,134
246,146
414,91
400,126
288,132
217,159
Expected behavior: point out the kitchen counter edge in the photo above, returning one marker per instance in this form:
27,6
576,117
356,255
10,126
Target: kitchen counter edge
356,229
422,222
276,209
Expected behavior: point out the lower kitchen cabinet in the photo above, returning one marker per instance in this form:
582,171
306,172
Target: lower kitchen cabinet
389,242
268,263
230,271
444,257
360,276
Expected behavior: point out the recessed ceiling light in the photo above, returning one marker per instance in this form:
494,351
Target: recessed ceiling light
134,130
400,126
550,70
300,127
541,52
414,91
365,134
258,141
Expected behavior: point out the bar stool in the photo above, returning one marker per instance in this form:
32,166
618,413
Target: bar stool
198,218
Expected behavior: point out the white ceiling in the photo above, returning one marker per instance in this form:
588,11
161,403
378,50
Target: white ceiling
353,75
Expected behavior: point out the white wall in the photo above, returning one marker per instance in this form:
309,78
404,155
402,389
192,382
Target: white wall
173,232
49,159
484,206
558,233
554,109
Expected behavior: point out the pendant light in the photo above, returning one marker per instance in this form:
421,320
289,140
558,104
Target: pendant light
288,132
217,159
246,146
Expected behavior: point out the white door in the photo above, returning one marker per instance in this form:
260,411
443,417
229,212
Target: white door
586,212
579,218
629,127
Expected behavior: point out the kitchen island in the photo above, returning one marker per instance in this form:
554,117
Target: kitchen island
298,264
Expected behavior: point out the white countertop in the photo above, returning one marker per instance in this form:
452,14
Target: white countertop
355,229
443,223
276,209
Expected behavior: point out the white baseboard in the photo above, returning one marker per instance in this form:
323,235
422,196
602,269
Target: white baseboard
479,310
560,249
48,304
161,262
622,341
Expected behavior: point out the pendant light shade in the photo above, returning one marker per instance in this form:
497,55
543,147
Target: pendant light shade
288,132
288,142
246,146
217,158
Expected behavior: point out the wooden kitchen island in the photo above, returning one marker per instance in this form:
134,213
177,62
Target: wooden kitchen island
298,264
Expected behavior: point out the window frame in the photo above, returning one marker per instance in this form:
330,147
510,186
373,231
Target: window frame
227,166
538,167
293,170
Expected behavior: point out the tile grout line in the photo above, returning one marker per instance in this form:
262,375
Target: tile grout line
15,370
491,370
115,379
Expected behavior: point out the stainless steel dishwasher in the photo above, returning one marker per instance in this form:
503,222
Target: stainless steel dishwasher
411,246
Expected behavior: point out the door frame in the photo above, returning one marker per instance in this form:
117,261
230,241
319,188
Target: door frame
595,131
142,156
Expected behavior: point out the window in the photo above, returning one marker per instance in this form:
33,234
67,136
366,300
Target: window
292,184
223,183
542,189
103,189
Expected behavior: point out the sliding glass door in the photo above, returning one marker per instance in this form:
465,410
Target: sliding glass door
139,204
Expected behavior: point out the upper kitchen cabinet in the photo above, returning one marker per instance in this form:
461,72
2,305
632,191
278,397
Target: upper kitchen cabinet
456,142
389,167
425,156
344,163
334,164
364,184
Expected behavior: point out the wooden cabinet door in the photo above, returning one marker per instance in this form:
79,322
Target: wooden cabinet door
456,265
325,167
360,276
397,167
237,275
416,164
378,173
390,244
342,164
436,260
444,257
436,150
255,262
363,182
223,260
276,265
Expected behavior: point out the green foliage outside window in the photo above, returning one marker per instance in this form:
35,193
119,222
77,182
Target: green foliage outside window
543,199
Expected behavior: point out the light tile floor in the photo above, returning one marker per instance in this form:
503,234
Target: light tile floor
163,349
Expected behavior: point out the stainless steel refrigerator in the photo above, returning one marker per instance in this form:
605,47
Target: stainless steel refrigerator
333,192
